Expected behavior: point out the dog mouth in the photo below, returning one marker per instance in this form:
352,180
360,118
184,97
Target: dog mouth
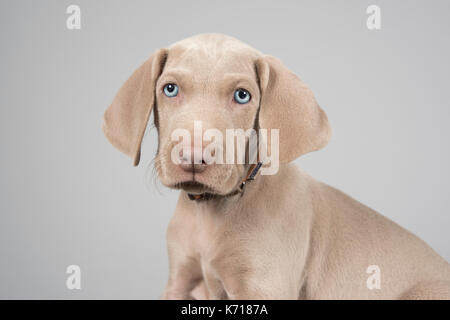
193,187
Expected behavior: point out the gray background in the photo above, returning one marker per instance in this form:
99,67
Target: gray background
67,197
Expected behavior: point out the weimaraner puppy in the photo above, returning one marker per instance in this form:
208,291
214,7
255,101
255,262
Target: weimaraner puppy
283,236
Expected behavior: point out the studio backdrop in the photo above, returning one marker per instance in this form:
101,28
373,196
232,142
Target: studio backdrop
69,200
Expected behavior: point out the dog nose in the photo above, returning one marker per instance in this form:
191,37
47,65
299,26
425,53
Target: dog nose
191,160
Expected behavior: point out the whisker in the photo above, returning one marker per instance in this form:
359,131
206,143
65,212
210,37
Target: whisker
151,176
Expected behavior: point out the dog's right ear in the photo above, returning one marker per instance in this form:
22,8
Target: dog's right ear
125,121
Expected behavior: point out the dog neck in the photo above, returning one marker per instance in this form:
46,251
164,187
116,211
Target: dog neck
260,193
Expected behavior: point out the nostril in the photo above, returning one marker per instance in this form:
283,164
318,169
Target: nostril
185,161
191,160
184,156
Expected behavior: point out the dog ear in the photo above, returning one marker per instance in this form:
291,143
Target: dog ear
125,121
289,105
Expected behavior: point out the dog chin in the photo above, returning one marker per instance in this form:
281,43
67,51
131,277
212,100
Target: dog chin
193,187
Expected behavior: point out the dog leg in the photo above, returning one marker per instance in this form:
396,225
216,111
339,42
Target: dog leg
184,276
200,292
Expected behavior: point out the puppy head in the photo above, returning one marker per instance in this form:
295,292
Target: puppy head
199,89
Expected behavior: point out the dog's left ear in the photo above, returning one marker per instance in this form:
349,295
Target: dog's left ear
289,105
125,121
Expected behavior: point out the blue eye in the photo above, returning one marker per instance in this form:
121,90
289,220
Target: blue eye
170,90
242,96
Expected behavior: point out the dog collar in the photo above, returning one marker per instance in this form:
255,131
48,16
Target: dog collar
251,174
